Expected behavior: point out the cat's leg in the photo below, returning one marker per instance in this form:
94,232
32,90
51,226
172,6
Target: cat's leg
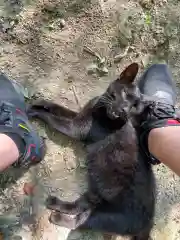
107,222
63,120
59,118
117,223
88,200
56,116
62,125
69,221
42,105
67,214
71,208
72,214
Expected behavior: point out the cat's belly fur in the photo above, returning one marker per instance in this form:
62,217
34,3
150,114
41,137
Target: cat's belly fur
133,209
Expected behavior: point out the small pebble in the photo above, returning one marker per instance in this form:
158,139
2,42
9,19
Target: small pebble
6,26
28,189
12,23
104,70
62,23
1,51
17,238
92,68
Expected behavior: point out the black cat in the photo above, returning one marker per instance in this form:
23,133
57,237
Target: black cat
120,195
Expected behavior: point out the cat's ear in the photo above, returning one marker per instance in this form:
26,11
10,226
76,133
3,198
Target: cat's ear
129,74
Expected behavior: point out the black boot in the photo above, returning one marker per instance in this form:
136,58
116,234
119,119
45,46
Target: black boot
157,83
14,123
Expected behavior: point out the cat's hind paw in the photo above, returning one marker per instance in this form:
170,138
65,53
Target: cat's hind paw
69,221
54,203
70,208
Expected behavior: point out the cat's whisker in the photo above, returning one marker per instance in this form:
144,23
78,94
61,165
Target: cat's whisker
105,100
104,104
109,96
100,104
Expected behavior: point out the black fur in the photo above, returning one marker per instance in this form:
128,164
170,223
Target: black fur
120,197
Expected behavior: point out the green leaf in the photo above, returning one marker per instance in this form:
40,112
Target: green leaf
148,18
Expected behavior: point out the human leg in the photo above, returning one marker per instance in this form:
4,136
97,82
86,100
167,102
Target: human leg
160,132
19,143
9,152
164,145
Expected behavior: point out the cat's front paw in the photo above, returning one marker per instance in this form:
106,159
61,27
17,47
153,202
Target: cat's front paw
37,106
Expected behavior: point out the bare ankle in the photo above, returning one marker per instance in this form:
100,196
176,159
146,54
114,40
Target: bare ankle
9,152
164,143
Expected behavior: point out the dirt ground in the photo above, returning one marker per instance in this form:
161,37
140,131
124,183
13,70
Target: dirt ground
45,46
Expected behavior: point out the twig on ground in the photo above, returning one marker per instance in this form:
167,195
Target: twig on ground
118,57
88,50
76,97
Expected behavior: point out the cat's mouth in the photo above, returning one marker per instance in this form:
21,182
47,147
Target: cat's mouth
115,115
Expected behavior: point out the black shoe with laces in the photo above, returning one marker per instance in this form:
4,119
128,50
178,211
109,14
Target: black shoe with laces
157,83
14,121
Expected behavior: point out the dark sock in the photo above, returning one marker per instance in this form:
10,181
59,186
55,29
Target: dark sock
18,141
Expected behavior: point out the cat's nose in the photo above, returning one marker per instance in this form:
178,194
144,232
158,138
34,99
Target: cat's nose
125,109
123,113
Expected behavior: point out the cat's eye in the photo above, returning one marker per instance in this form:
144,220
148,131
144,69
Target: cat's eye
113,96
129,95
136,102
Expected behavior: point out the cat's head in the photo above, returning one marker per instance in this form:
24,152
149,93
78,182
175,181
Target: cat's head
122,94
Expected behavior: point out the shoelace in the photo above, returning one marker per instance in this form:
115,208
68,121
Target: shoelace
5,114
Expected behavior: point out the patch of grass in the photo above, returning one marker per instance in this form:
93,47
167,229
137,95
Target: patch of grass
28,2
155,59
77,6
147,4
123,39
7,178
65,9
54,11
12,7
148,18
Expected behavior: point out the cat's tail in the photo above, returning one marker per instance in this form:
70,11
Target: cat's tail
118,223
